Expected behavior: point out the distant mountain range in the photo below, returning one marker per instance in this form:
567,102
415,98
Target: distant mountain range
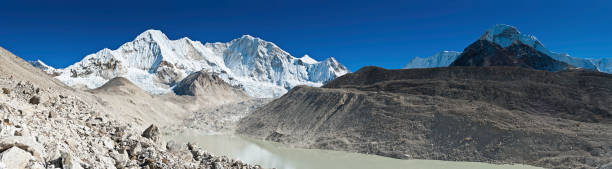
508,37
156,64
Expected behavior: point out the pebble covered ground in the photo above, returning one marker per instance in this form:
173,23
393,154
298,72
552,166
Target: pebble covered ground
55,128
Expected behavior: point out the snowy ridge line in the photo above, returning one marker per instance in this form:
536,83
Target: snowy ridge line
156,63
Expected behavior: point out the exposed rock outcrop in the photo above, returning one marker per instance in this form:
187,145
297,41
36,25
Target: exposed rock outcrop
203,83
152,132
487,53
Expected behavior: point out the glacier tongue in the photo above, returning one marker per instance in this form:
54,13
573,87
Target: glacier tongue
155,63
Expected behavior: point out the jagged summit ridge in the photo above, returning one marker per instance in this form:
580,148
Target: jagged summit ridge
155,63
504,35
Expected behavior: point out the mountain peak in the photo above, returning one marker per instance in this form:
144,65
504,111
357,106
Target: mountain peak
152,34
248,37
484,53
308,59
248,40
156,63
505,35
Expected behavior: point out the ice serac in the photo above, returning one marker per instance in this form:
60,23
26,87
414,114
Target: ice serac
440,59
155,63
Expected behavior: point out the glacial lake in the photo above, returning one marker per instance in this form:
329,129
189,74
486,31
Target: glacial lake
275,155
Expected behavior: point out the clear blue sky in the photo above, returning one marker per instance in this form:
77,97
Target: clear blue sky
357,33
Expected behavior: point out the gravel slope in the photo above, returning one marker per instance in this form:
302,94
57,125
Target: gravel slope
483,114
46,124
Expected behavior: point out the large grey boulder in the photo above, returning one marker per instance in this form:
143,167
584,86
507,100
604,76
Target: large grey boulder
606,166
26,143
152,133
15,158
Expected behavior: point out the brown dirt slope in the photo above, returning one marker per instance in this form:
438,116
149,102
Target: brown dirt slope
486,114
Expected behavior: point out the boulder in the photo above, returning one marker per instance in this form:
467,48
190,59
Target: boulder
135,149
26,143
172,146
35,100
152,133
15,158
121,158
606,166
68,162
52,114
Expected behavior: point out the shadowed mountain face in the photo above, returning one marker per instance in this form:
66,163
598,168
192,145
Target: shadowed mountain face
580,95
492,114
487,53
206,84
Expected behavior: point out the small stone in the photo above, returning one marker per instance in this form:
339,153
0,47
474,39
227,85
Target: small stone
6,91
151,133
52,114
172,146
218,165
35,100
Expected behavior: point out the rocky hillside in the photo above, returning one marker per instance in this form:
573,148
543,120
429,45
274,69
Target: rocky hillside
46,124
505,46
486,114
156,64
485,53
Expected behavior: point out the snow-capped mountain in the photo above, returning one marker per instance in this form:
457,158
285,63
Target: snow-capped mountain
506,35
518,53
440,59
156,63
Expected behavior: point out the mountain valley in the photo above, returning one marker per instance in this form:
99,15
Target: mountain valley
504,100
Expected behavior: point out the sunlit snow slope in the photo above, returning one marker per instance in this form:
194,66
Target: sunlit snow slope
156,63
